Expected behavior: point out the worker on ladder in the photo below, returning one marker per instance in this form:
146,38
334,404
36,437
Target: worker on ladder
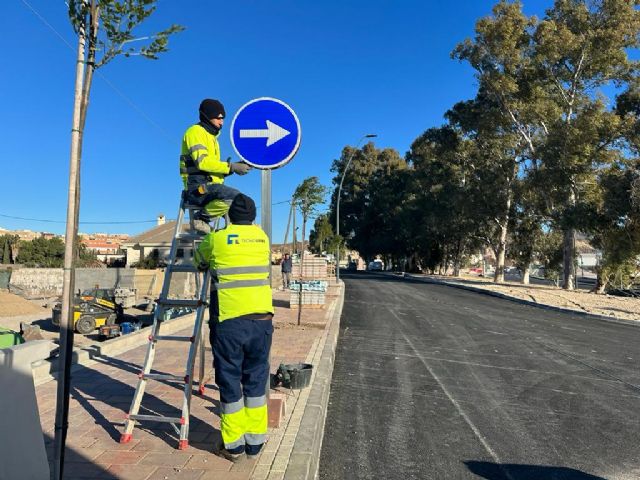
202,170
240,322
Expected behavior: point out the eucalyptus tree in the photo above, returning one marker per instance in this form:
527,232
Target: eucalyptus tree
445,191
506,119
372,198
580,47
321,234
355,192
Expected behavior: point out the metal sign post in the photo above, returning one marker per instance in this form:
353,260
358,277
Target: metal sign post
265,213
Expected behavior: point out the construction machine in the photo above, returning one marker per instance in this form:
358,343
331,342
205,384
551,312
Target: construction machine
96,307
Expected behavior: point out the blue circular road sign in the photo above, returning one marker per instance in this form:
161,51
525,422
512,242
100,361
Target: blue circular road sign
266,133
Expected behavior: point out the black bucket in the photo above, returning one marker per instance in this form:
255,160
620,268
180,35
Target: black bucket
295,375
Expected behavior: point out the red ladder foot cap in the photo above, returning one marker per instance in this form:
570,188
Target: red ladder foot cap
183,444
125,438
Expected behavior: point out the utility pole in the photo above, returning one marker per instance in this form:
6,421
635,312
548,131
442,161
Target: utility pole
286,233
294,240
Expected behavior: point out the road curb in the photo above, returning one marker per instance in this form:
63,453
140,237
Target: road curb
520,301
47,370
305,456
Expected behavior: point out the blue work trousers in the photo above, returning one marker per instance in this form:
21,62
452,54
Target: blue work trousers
241,361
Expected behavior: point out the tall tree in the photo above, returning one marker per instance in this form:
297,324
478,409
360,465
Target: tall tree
443,202
355,188
321,234
9,246
580,47
105,30
506,118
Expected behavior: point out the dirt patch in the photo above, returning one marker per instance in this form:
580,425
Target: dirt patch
12,305
581,301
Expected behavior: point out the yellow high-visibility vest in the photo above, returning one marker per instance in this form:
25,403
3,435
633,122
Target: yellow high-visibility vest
200,155
239,258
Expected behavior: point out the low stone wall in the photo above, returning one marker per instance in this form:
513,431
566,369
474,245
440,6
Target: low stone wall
47,282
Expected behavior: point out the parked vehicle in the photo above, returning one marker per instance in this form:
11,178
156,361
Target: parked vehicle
92,309
376,264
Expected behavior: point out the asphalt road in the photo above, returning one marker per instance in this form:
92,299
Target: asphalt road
432,382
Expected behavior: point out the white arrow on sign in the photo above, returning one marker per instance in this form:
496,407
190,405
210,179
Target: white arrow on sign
272,133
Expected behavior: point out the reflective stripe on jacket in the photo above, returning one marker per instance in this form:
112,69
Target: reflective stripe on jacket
239,259
200,155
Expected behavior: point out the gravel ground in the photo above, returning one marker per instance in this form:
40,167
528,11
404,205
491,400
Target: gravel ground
609,305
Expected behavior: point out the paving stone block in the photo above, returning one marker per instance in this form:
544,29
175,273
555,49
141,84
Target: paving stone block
213,475
166,459
176,474
276,409
119,457
130,472
208,462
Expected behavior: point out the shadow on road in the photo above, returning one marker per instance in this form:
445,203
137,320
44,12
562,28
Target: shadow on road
509,471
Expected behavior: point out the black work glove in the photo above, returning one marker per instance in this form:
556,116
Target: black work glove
240,168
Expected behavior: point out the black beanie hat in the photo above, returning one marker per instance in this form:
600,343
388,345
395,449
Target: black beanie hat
210,108
242,210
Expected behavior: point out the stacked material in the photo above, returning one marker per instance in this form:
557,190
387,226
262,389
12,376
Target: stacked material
315,268
309,285
313,283
309,299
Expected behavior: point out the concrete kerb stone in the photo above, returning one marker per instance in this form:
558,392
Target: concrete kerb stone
47,370
521,301
305,456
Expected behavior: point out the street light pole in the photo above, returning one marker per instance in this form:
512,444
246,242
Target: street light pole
369,135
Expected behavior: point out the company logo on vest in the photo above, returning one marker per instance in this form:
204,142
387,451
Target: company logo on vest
232,238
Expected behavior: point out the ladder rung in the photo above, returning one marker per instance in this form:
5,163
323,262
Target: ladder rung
170,337
189,236
162,376
156,418
174,302
182,267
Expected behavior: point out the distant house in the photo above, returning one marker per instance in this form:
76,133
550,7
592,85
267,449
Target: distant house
157,239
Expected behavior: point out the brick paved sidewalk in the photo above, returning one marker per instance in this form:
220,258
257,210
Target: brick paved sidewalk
101,394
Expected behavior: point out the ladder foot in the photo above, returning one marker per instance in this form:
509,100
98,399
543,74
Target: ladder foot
125,438
183,444
201,390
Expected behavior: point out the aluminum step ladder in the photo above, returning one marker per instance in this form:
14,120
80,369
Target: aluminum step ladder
184,241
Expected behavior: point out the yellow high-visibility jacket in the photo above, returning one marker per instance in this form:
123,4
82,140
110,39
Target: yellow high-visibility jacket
239,258
200,157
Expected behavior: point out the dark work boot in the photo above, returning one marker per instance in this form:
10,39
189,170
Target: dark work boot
220,451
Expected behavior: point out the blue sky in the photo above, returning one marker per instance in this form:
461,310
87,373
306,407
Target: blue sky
346,68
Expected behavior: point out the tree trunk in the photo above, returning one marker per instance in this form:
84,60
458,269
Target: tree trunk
68,281
504,226
498,276
601,283
568,254
525,273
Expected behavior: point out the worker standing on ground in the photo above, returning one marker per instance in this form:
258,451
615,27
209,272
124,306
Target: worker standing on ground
201,169
240,322
285,267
